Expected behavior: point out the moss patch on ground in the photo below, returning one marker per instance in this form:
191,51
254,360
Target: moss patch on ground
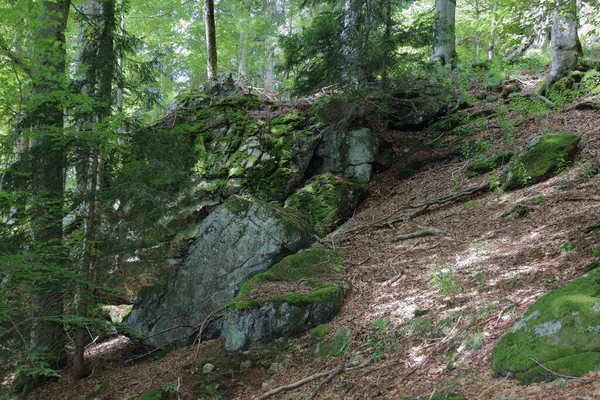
325,202
539,160
560,331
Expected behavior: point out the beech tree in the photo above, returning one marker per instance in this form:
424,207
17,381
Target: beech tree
565,45
444,34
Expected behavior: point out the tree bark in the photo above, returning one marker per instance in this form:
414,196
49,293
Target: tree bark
565,45
211,41
444,35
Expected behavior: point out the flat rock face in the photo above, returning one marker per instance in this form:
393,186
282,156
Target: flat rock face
561,331
349,154
539,160
235,242
273,304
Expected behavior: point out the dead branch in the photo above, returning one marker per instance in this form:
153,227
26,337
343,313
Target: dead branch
325,381
453,196
427,231
561,375
209,318
318,375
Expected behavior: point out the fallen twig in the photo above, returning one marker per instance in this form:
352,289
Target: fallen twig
312,377
427,231
325,381
534,95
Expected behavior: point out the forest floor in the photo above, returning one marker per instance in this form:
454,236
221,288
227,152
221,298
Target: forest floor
470,285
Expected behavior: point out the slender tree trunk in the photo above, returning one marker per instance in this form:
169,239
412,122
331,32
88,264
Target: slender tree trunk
45,124
350,50
99,62
565,45
492,44
387,42
444,36
211,41
243,64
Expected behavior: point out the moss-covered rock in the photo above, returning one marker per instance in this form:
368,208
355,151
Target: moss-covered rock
238,240
295,295
539,160
488,162
325,202
559,331
575,85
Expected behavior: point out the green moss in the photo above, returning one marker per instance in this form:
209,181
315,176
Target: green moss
279,130
483,164
303,266
237,205
540,159
325,201
320,331
154,395
596,252
560,329
566,247
404,173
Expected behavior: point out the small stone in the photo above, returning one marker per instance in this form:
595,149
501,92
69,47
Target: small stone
208,369
273,369
244,366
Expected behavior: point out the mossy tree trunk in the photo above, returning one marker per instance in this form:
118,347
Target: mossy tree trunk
565,45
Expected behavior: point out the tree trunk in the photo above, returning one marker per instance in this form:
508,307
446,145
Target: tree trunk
492,44
243,63
211,41
45,124
444,36
350,50
99,63
565,45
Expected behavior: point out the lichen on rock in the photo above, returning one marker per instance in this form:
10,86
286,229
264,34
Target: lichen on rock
559,331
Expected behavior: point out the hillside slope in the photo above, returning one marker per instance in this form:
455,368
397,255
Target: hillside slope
428,310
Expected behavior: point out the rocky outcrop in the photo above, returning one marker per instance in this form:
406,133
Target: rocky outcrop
539,160
559,331
349,154
238,240
295,295
326,202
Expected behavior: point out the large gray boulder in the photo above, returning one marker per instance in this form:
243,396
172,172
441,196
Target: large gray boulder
349,154
297,294
238,240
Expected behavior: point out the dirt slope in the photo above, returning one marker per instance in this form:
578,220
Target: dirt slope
499,267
